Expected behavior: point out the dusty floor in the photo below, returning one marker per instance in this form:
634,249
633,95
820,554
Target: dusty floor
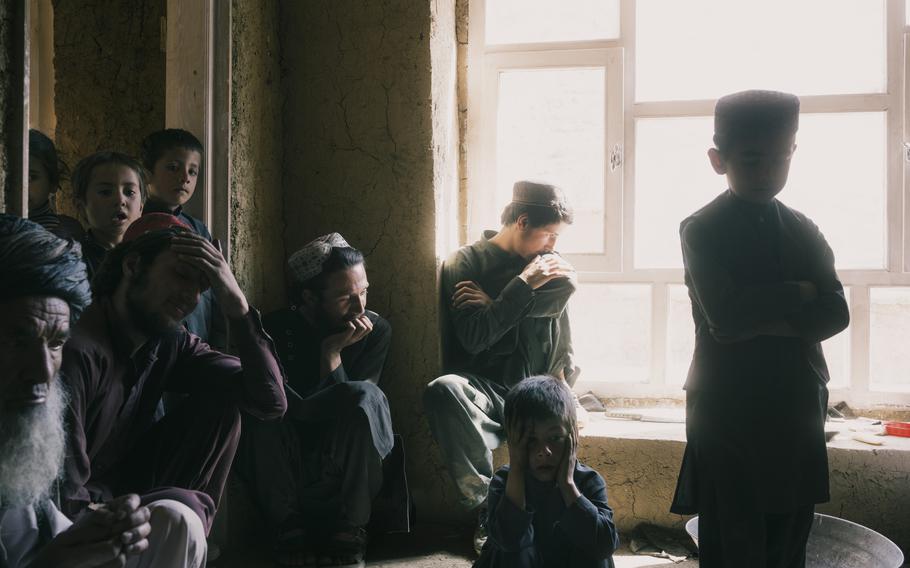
431,546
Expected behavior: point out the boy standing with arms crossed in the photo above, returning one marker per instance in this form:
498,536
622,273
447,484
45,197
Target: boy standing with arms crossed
764,295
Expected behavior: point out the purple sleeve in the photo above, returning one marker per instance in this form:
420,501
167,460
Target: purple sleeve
78,372
254,380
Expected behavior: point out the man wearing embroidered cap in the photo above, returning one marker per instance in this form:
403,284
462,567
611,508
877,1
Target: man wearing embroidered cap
505,319
764,296
130,348
317,472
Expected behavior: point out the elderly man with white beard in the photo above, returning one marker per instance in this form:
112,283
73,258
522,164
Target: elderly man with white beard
43,290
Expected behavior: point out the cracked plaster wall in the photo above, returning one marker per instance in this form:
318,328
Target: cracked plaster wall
110,73
461,36
363,122
257,247
6,94
871,487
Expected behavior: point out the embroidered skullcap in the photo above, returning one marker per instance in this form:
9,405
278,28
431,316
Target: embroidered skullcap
38,263
152,222
538,193
746,113
307,262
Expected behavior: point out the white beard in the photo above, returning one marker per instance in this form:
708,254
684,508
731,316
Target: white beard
32,444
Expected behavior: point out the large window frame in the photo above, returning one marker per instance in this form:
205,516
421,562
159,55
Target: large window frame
615,265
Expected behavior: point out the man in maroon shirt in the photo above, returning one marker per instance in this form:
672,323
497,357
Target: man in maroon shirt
129,348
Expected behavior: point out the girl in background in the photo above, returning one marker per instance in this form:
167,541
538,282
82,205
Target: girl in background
45,170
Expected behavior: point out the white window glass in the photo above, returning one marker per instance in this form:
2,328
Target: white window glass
680,334
907,11
889,330
611,332
673,178
837,178
550,127
837,355
539,21
703,49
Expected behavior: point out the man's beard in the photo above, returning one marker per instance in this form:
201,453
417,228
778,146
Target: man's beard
327,324
32,444
146,320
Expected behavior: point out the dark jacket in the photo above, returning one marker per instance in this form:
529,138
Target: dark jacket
299,348
547,534
756,403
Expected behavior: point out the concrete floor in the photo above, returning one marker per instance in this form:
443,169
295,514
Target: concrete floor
430,546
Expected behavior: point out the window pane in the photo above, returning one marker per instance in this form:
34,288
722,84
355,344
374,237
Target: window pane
673,179
611,332
838,179
680,334
837,355
703,49
550,127
538,21
889,322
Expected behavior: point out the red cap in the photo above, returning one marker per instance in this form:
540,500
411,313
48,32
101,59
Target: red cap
152,222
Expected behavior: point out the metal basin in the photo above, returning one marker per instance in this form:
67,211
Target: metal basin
838,543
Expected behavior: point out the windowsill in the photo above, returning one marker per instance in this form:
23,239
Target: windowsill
602,427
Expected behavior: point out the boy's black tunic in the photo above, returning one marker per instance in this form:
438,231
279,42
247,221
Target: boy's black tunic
756,404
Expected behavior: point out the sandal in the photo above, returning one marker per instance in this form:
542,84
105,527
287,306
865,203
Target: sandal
295,548
345,548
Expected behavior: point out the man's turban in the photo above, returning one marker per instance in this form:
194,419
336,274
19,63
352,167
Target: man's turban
34,262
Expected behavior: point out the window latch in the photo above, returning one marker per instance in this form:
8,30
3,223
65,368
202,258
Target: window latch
907,152
616,157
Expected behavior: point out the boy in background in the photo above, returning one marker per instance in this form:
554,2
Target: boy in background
546,509
173,158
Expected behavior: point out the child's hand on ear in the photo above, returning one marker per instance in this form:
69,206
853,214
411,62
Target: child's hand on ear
565,476
519,433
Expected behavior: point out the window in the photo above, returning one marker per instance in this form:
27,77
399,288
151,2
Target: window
614,100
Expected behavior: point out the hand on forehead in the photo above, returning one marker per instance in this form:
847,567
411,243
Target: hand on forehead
192,250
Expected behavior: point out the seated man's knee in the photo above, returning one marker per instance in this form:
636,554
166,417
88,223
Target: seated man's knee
177,532
356,392
442,390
